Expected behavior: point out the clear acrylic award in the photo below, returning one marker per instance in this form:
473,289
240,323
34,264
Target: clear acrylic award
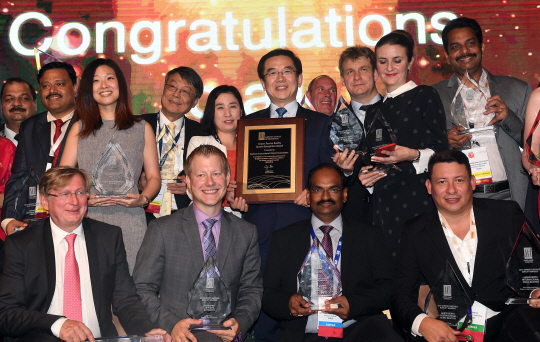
152,338
379,136
346,130
209,299
112,176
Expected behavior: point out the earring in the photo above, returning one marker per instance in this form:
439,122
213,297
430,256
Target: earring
408,70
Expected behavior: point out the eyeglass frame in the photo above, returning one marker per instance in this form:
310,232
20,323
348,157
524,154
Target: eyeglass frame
182,91
65,196
289,72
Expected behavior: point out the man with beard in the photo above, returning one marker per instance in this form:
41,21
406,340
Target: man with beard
322,93
41,142
501,99
18,99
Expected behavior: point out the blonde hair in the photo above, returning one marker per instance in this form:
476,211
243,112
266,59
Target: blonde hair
58,177
206,151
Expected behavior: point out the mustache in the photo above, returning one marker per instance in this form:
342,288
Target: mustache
17,109
326,201
53,94
466,55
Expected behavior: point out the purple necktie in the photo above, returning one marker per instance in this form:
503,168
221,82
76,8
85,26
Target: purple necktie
324,282
209,240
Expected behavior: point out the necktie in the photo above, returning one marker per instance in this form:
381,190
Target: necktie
324,282
72,283
364,107
17,137
208,239
281,111
59,123
327,241
167,169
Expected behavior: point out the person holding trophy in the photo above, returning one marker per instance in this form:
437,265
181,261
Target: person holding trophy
112,145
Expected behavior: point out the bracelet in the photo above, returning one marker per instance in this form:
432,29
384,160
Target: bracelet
417,158
146,201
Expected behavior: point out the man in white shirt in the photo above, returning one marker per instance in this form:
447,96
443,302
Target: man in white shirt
322,94
18,99
476,238
63,273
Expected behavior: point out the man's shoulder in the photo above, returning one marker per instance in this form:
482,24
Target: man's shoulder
508,81
442,85
495,207
260,114
417,224
31,121
294,229
311,114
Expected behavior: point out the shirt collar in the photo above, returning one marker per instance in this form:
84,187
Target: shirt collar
163,121
65,118
404,88
448,232
200,216
9,133
292,108
58,234
337,223
482,82
356,105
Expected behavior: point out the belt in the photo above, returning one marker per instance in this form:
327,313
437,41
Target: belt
492,187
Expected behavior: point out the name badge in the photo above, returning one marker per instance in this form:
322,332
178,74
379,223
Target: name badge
328,325
481,170
477,329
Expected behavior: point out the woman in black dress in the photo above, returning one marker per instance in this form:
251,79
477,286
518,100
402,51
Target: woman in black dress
415,114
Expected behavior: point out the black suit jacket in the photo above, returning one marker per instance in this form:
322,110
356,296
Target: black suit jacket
192,128
270,217
424,251
366,273
29,163
28,282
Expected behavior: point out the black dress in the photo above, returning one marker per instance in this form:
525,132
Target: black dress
418,121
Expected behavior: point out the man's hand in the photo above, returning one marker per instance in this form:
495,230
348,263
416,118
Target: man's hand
535,301
228,335
299,307
73,331
302,199
181,333
345,160
160,332
343,312
370,178
178,188
496,106
15,224
457,140
437,331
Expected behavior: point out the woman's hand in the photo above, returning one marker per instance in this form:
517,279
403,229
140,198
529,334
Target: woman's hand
97,201
370,178
400,154
131,200
237,203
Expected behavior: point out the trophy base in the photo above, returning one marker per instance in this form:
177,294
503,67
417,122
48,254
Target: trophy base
382,168
476,130
521,301
208,327
318,307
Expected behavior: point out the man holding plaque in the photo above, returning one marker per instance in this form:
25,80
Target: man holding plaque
179,252
475,239
356,250
494,114
322,94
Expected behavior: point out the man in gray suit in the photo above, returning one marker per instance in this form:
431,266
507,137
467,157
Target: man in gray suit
506,100
175,248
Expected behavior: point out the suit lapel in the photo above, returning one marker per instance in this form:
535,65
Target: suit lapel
93,262
50,260
483,236
225,239
42,134
192,235
347,248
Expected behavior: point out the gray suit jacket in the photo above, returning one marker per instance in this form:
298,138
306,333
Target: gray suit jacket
509,132
171,257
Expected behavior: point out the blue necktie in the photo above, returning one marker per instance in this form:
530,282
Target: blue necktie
281,111
209,240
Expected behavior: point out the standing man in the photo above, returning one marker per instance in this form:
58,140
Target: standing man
18,99
505,97
362,259
41,142
176,247
182,90
63,273
322,93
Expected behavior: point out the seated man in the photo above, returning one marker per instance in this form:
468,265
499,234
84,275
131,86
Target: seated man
176,247
63,273
364,264
476,237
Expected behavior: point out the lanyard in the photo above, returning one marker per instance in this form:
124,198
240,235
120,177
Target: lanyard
160,141
54,147
338,250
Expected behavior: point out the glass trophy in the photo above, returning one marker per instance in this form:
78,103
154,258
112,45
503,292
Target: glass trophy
209,299
112,175
152,338
452,303
379,136
523,266
28,212
318,278
346,130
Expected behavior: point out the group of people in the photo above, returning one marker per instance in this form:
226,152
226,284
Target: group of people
390,233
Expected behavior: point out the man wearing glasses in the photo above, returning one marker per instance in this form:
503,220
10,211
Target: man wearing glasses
182,91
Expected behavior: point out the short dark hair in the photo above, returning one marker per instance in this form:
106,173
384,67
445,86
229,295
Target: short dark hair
18,80
449,156
59,65
354,53
207,122
462,22
190,76
398,37
326,166
279,52
310,86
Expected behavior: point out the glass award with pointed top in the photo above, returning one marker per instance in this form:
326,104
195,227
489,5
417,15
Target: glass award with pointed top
112,175
380,136
151,338
209,299
318,278
346,130
523,266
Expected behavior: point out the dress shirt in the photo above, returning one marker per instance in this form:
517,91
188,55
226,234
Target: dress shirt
179,152
10,135
65,118
291,107
361,114
200,216
89,315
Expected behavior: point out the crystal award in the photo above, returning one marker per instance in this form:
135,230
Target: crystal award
112,175
523,266
209,299
379,133
27,212
346,130
151,338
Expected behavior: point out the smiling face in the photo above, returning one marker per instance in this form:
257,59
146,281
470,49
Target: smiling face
57,92
105,87
17,104
179,96
392,65
281,89
323,95
359,78
326,196
227,112
465,52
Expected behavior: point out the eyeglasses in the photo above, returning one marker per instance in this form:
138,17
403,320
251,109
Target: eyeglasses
331,191
285,73
172,89
66,196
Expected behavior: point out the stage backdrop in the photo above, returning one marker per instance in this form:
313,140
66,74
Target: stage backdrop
223,40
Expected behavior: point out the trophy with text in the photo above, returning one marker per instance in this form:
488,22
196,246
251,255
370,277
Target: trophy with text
28,212
523,266
112,175
209,299
380,137
346,130
151,338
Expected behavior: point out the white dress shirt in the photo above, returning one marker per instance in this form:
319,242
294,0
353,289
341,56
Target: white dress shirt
89,315
10,135
361,114
291,108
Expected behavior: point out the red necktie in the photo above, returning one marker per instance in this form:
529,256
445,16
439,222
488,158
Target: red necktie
59,123
72,283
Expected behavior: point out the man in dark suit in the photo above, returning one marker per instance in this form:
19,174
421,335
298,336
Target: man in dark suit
18,98
182,90
364,264
41,141
476,237
63,273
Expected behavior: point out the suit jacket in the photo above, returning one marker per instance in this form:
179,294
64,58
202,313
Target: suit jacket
192,128
171,258
270,217
29,163
366,273
28,282
424,251
509,132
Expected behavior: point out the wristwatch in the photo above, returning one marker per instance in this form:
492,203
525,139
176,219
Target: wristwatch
415,160
146,202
